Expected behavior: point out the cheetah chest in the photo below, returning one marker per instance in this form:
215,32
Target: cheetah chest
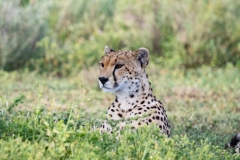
144,111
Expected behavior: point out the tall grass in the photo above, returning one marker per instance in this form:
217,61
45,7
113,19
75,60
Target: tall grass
179,33
42,134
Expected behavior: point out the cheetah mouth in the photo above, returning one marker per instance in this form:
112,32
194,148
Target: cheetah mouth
114,86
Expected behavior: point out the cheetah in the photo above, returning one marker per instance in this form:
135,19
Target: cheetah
234,143
122,73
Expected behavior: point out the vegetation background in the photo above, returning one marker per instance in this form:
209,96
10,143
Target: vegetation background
51,106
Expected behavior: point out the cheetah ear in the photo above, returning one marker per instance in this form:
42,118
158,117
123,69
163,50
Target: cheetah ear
142,55
108,50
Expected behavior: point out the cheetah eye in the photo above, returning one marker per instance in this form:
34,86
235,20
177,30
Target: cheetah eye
118,66
101,64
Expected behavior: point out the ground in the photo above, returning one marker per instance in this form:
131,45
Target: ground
202,104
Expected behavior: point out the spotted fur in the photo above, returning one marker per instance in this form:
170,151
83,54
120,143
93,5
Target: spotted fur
123,74
234,143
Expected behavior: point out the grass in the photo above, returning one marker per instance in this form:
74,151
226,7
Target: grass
47,117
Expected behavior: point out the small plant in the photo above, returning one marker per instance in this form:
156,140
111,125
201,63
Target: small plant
39,135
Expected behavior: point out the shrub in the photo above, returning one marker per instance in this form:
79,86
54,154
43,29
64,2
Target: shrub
206,31
20,29
179,33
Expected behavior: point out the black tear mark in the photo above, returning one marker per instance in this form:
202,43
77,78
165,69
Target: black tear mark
114,77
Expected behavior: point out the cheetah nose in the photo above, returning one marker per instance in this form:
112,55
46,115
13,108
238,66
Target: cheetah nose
103,80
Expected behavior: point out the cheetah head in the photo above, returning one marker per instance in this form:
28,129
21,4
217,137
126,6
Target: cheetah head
119,69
